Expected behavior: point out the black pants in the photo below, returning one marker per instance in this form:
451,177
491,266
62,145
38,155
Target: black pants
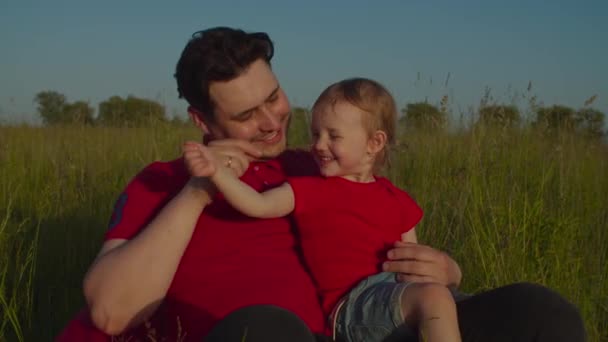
519,312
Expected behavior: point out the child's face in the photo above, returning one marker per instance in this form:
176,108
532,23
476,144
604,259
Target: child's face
341,142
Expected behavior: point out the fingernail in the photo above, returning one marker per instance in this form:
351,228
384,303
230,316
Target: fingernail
384,266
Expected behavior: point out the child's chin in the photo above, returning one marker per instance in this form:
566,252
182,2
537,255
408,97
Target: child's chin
324,173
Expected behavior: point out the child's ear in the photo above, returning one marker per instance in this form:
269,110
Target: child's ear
376,142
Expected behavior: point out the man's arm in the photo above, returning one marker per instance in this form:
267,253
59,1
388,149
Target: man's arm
415,262
129,278
410,236
429,266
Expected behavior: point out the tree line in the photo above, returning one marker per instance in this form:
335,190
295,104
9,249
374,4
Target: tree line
54,108
552,119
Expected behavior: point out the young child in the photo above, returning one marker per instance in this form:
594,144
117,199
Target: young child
348,218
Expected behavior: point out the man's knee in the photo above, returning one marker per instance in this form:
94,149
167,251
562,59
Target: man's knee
538,297
261,323
520,312
551,312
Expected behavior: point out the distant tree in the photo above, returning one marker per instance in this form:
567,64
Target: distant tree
111,111
51,105
499,116
591,122
556,119
79,112
131,111
423,116
299,130
54,109
144,111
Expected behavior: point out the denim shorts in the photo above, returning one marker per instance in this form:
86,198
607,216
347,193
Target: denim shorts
372,312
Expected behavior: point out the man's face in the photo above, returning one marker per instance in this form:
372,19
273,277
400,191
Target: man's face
251,107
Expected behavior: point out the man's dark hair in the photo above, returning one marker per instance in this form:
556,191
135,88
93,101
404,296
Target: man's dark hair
217,54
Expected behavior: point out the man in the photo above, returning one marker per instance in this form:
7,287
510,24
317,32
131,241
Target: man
178,261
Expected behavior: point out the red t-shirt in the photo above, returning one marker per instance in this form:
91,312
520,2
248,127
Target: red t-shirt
232,261
346,228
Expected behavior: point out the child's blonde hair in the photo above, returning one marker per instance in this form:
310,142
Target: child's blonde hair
372,98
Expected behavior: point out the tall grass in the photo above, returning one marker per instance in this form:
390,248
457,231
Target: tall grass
516,206
508,205
57,189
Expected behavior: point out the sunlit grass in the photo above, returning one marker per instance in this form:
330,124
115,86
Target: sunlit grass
508,205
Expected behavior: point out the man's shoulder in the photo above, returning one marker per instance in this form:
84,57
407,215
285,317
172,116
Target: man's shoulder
144,196
171,168
163,174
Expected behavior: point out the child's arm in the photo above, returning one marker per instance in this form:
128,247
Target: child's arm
410,236
273,203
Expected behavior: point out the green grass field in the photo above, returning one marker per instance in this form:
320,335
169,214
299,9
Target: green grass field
509,206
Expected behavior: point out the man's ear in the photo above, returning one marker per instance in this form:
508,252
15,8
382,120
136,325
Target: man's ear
196,117
376,142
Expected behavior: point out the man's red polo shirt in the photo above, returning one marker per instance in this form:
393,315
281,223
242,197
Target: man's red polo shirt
232,261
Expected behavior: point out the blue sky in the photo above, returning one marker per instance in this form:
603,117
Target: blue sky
93,50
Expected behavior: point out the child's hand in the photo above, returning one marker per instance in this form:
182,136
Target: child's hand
199,160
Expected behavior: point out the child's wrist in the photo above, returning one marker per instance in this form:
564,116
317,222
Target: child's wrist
217,175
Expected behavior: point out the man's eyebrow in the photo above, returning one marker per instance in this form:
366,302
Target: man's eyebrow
272,93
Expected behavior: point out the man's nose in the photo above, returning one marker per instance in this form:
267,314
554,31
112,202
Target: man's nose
268,120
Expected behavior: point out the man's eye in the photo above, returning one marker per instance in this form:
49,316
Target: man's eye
273,98
244,116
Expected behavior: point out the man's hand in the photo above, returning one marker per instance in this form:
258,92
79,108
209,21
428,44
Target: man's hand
419,263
